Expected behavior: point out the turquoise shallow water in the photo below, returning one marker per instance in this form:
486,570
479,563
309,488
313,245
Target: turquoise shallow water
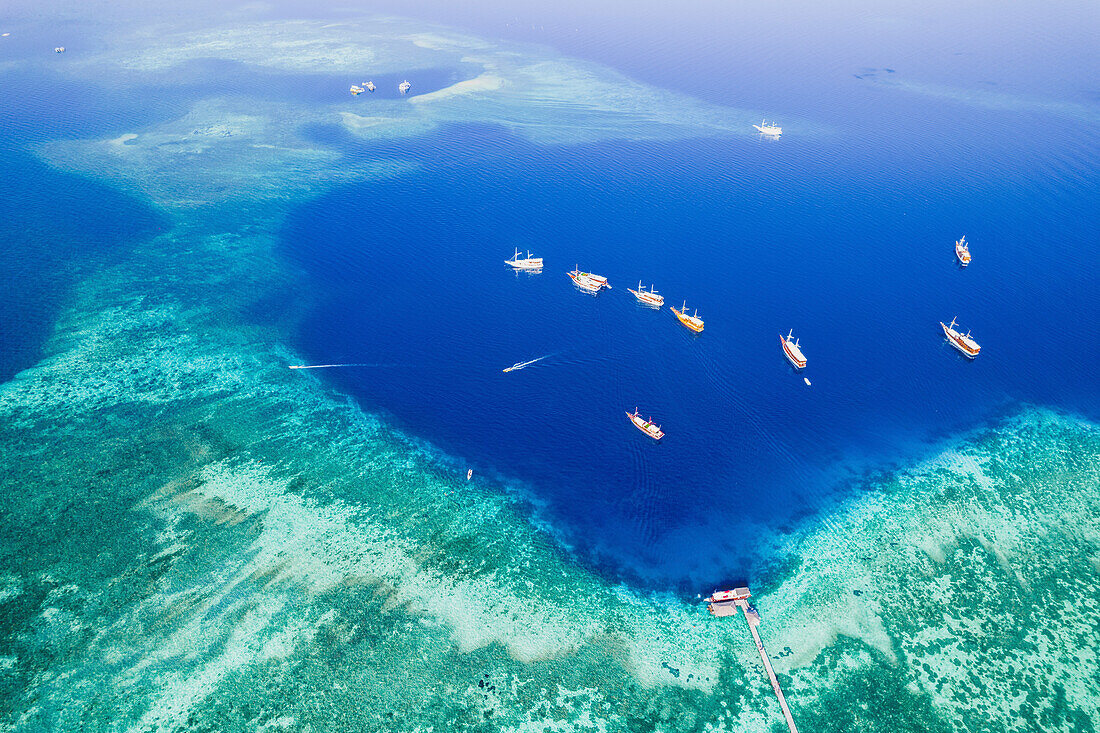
196,538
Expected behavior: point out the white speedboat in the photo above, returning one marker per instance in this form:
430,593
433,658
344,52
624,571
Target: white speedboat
648,297
773,129
356,90
964,343
962,251
404,86
587,281
524,263
792,351
370,86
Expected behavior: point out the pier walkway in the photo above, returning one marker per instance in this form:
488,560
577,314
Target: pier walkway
726,603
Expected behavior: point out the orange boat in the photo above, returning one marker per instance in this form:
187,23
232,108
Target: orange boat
694,322
646,426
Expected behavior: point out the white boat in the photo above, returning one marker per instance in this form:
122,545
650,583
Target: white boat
369,85
772,129
522,364
723,596
404,86
356,90
524,263
792,351
648,297
645,425
587,281
964,343
962,251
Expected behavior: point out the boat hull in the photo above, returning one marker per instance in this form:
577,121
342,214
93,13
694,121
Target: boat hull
647,299
525,264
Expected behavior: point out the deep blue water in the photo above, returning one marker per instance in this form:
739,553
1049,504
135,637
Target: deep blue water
841,230
761,236
844,234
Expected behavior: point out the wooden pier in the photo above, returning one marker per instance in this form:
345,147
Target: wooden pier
726,603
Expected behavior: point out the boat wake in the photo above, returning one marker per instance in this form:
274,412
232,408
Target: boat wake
522,364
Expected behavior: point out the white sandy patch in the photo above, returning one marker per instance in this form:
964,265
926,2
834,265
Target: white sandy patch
483,83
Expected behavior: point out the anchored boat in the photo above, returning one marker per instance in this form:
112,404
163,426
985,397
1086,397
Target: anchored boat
694,322
721,596
648,297
645,425
356,90
792,351
370,86
587,281
962,251
773,129
524,263
404,86
966,344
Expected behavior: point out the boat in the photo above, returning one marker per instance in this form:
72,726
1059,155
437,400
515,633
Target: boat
524,263
721,596
587,281
648,297
792,351
404,86
964,343
356,90
369,85
645,425
773,129
59,49
521,365
694,322
962,251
